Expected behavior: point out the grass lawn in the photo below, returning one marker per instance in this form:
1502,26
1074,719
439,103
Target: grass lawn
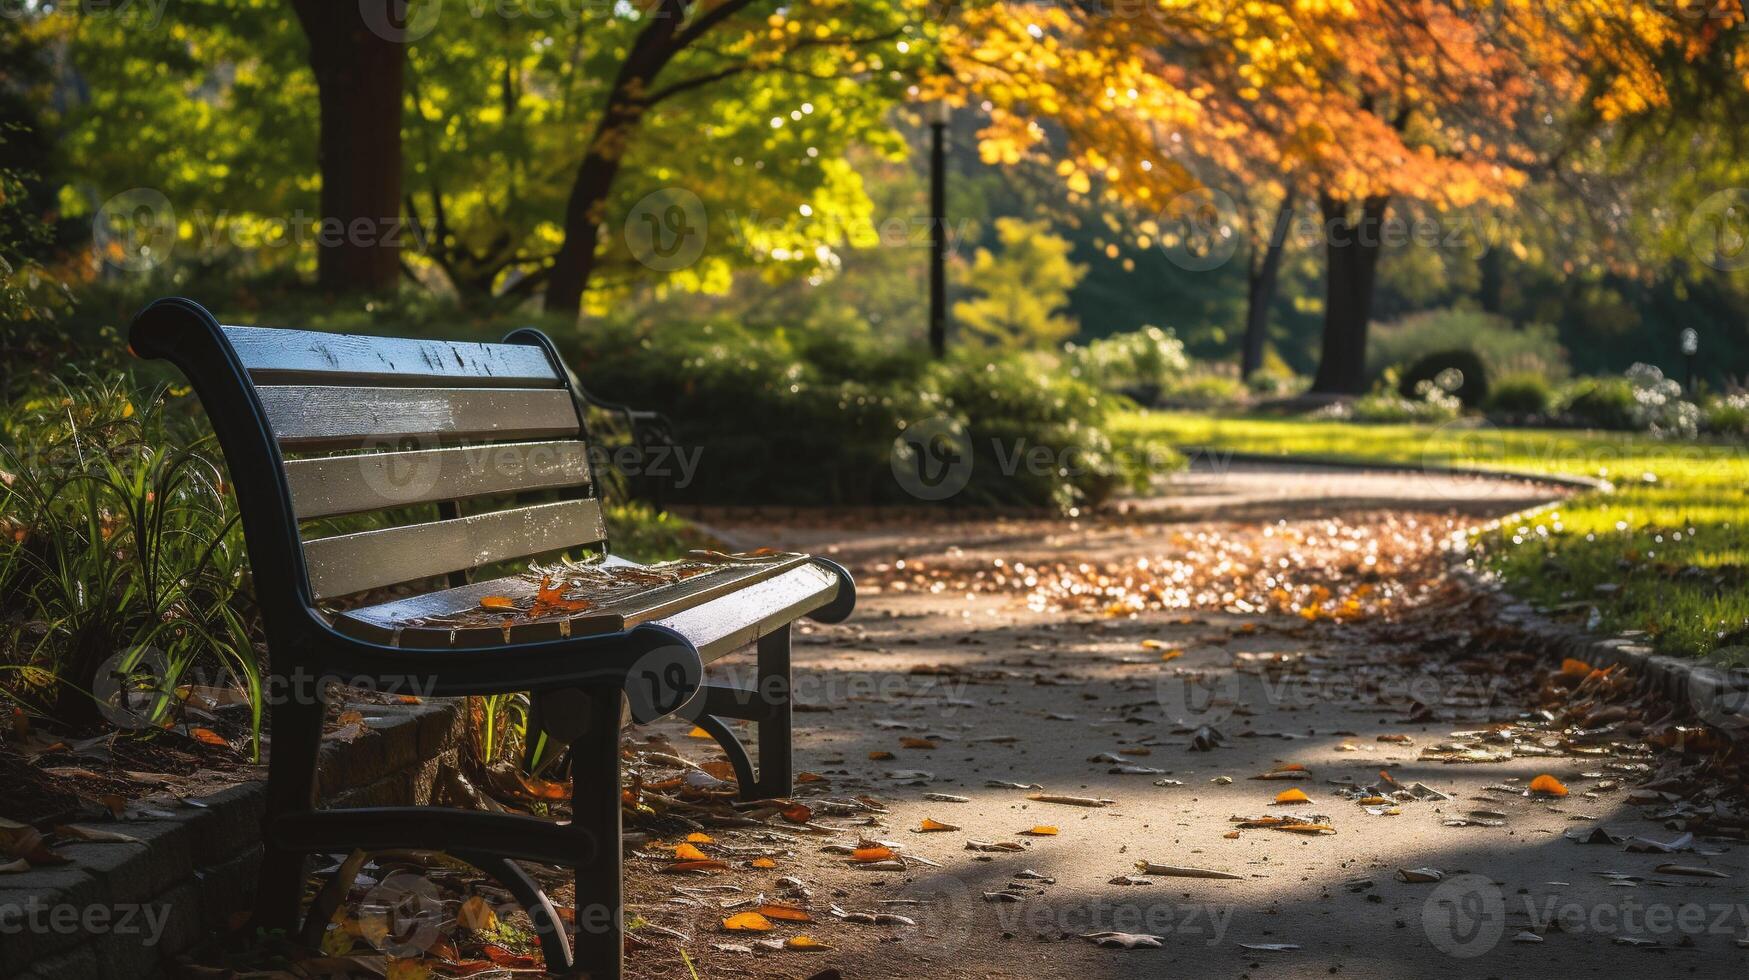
1667,552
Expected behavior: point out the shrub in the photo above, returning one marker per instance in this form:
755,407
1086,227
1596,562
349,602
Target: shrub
122,566
1141,363
1520,396
802,417
1504,348
1727,415
1600,403
1458,372
1206,390
1275,379
1386,404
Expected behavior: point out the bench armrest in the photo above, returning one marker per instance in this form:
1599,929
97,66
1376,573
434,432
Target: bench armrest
658,668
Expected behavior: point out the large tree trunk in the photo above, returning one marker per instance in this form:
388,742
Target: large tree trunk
1260,290
1493,279
359,79
1351,251
585,210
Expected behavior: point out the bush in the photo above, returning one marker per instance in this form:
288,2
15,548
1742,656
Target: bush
1141,363
1520,396
804,417
121,566
1458,372
1642,400
1386,404
1727,415
1206,390
1504,348
1600,403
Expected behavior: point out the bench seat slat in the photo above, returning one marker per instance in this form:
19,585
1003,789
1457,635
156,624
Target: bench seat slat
321,417
276,356
349,563
739,598
334,485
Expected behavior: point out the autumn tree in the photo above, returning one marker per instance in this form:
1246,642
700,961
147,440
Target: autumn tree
1020,289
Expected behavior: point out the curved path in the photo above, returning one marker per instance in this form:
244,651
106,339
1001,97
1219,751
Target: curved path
1057,682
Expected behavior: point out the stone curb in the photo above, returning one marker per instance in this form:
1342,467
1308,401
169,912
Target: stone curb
192,871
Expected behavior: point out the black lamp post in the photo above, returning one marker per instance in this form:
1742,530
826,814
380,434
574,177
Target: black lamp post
938,113
1690,347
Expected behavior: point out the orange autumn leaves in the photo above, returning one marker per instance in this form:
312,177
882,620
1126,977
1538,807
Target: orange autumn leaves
549,600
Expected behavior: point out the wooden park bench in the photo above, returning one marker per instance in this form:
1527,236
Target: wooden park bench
430,436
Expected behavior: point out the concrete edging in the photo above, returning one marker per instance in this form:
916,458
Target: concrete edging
123,911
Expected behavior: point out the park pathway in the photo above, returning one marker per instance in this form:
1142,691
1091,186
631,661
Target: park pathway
1254,619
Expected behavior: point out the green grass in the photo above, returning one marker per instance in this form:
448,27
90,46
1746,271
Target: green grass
1667,552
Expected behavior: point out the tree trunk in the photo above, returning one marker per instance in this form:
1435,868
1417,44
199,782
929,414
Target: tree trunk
359,83
1493,279
1260,290
1351,264
585,210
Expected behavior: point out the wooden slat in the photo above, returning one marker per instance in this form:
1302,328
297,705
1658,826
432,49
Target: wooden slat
373,481
419,621
311,357
321,417
348,563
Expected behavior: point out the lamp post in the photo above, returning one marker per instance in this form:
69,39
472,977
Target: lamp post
938,114
1690,347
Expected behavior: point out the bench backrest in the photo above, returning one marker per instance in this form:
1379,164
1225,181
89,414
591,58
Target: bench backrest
356,424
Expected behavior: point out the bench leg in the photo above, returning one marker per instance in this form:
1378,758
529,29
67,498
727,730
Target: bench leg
775,776
291,788
595,806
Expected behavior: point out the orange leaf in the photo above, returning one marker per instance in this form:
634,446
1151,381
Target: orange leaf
880,755
916,743
763,863
680,867
797,813
686,852
1292,796
698,732
747,922
809,777
698,838
1547,785
805,942
505,958
1578,668
477,915
499,602
871,854
929,826
1042,830
208,736
784,913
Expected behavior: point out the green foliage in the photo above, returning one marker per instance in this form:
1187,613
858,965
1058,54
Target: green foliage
1022,289
1275,379
1520,396
1458,372
122,564
1600,403
802,416
1206,389
1142,362
1502,347
1727,415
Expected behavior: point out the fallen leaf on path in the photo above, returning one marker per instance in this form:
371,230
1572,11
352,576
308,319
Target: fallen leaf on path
1690,870
1124,940
1415,876
1295,795
747,922
687,852
1547,785
806,943
1042,830
784,913
865,855
929,826
1173,871
1071,800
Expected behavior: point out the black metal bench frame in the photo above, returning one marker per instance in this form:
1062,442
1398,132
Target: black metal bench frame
581,684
